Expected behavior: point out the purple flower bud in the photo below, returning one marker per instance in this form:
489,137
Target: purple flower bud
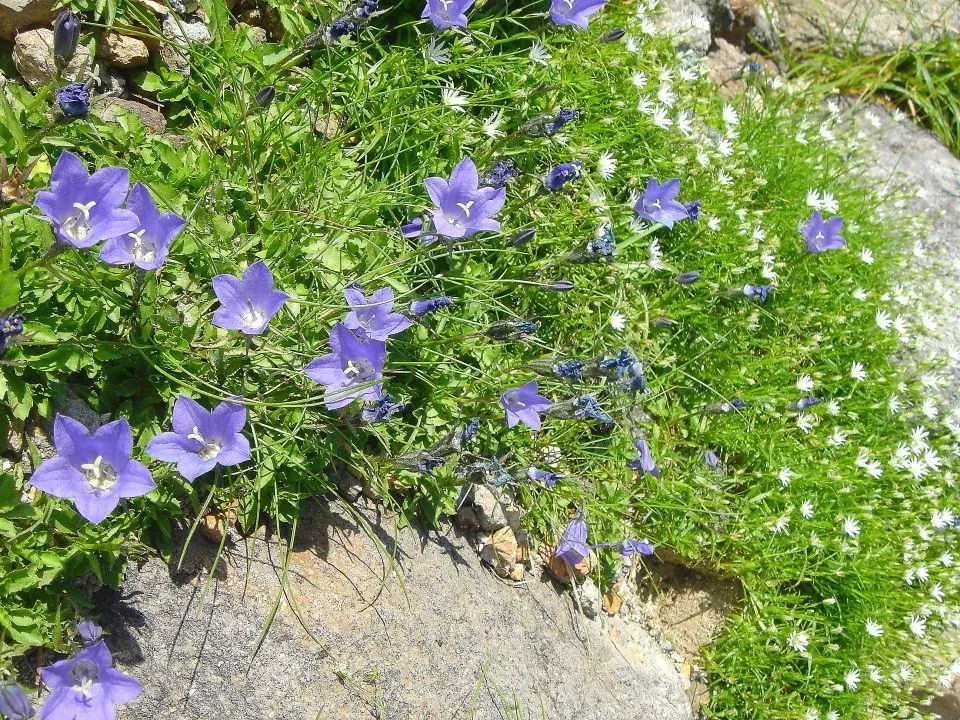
89,632
752,67
561,285
14,703
569,370
500,174
711,459
632,547
693,209
265,96
757,292
66,35
807,402
688,278
562,174
524,236
9,327
663,322
511,329
638,380
613,35
74,99
545,477
412,228
384,409
419,308
644,463
738,404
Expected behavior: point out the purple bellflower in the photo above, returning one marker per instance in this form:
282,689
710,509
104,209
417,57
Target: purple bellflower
87,686
247,303
201,438
462,206
148,245
419,308
632,547
561,175
14,704
574,12
546,477
89,632
645,462
573,548
353,370
523,404
95,471
84,208
659,203
822,235
371,316
447,13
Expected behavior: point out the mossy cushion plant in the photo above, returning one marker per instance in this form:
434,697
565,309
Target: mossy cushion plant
546,251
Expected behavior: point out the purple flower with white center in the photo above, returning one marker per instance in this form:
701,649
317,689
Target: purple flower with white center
462,206
822,235
574,12
573,548
447,13
352,370
659,204
148,245
247,303
371,316
87,686
95,471
562,174
74,99
14,703
523,404
633,547
645,462
419,308
201,438
89,632
84,208
545,477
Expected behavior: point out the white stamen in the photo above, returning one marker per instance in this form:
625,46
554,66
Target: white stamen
100,476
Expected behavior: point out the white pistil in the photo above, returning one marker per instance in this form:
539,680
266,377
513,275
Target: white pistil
466,207
253,316
210,449
100,476
77,225
143,250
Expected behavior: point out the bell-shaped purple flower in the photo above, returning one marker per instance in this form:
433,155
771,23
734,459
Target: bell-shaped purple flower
822,235
371,316
523,404
14,704
573,547
353,370
462,207
147,246
447,13
659,203
201,438
574,12
645,462
247,303
95,471
87,686
84,208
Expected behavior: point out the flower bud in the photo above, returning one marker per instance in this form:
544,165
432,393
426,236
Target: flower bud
89,632
14,703
66,35
688,278
524,236
265,96
613,35
74,99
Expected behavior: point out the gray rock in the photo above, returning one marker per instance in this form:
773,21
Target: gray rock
123,51
488,509
109,109
687,21
184,7
33,56
751,27
725,67
431,635
182,31
175,58
16,15
109,81
588,595
870,26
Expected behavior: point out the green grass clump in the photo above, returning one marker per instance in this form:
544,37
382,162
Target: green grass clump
823,514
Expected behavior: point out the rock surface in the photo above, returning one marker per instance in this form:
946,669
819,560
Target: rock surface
688,21
871,26
16,15
123,51
109,109
33,56
439,638
181,30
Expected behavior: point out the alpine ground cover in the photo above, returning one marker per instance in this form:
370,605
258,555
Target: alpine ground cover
545,257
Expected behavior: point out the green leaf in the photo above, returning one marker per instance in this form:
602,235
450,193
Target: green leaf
9,290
